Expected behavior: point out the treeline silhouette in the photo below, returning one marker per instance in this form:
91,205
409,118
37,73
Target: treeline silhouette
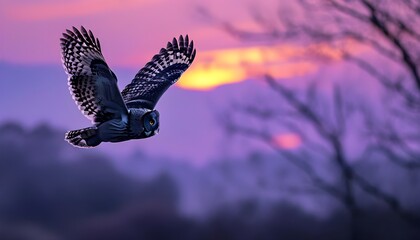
50,191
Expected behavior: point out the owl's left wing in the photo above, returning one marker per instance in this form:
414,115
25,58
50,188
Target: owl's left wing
91,82
159,74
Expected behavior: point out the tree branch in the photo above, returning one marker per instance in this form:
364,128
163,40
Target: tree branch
381,26
389,200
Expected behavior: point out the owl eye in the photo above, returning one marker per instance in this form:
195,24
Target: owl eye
152,122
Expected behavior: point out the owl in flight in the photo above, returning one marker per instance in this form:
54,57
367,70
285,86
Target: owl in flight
118,116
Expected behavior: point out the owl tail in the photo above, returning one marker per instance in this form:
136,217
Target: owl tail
84,138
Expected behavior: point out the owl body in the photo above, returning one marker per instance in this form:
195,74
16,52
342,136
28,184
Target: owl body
143,123
118,116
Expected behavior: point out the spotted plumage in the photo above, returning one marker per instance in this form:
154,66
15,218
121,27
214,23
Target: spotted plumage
160,73
118,116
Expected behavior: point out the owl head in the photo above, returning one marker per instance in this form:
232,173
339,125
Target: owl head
150,124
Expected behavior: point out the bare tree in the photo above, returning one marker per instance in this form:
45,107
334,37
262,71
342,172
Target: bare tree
322,139
389,29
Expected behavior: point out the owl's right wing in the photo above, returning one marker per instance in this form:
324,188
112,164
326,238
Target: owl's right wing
159,74
91,82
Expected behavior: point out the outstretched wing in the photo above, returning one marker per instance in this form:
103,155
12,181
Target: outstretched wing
92,84
159,74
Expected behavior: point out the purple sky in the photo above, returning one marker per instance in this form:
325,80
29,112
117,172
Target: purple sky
33,83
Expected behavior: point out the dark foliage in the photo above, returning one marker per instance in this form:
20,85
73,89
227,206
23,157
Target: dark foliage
47,191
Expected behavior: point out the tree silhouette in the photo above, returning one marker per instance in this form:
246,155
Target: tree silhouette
388,29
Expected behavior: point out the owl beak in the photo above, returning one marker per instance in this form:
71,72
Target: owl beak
147,133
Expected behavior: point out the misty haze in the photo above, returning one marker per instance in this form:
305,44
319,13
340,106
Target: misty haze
296,120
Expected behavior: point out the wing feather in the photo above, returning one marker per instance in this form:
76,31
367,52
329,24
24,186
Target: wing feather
92,84
159,74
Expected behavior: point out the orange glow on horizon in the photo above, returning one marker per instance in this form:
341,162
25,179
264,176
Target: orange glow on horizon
218,67
287,141
205,77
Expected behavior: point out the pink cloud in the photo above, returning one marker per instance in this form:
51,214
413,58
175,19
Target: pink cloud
54,10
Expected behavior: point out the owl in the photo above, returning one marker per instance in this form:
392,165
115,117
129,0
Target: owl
116,116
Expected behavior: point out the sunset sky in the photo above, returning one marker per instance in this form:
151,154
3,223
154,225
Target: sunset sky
131,32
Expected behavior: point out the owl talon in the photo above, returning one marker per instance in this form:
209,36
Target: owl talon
85,138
